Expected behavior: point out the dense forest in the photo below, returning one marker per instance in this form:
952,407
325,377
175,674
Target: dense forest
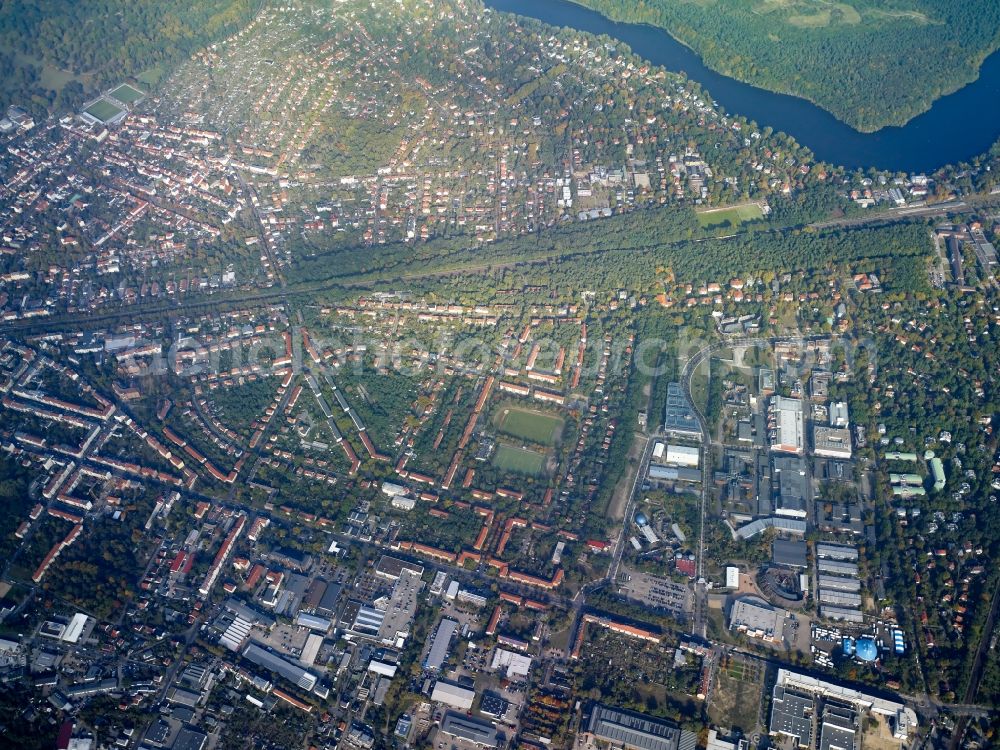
872,63
14,503
633,251
55,54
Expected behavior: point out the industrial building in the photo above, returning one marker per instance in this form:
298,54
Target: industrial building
903,719
472,730
634,731
659,473
400,609
838,415
840,598
789,525
182,696
75,628
313,622
757,619
837,567
732,577
785,425
715,742
678,416
517,666
838,583
280,666
832,442
790,553
838,727
237,632
682,455
328,602
368,621
189,738
791,486
310,650
392,567
844,614
453,694
792,715
440,644
837,551
493,705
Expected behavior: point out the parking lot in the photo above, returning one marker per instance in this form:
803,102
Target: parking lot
661,593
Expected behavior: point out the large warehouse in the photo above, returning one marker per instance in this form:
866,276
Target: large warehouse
440,644
274,663
453,695
786,425
832,442
635,731
682,455
673,474
757,619
477,732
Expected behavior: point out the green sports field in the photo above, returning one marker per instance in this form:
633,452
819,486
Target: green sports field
532,426
519,460
126,94
103,110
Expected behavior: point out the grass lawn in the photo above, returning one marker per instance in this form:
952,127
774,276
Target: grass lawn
153,76
126,94
734,215
519,460
103,110
533,426
699,385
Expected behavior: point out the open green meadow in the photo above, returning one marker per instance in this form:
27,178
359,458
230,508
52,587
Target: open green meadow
519,460
734,215
532,426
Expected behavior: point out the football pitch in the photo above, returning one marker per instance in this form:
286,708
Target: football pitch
529,425
126,94
103,110
519,460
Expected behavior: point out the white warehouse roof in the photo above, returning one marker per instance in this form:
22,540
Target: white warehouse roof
453,695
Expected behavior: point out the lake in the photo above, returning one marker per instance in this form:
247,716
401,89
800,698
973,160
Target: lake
956,128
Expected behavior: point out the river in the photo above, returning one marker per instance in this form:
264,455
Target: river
956,128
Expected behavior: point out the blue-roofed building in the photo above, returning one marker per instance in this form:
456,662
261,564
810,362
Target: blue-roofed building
897,641
866,649
678,417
